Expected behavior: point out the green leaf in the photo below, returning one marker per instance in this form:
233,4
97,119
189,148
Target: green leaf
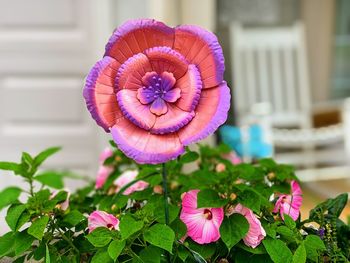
23,242
13,215
128,226
8,196
300,254
277,250
313,246
50,178
6,244
73,218
286,233
10,166
210,198
189,157
100,237
47,255
151,254
41,157
233,229
173,213
161,236
289,222
250,199
115,248
37,228
179,228
101,256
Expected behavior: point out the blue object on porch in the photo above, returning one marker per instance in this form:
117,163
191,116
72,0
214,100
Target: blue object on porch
250,144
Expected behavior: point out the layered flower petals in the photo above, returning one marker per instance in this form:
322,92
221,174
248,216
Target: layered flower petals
129,75
201,48
133,110
145,147
135,36
166,59
158,85
99,93
202,224
211,112
190,85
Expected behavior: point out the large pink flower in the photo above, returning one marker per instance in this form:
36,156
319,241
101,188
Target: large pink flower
290,204
127,177
256,232
203,224
102,219
158,89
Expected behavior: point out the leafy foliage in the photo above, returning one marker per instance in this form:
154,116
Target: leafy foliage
41,230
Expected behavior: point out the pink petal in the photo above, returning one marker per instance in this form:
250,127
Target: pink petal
296,190
135,36
145,95
159,107
256,232
201,48
138,186
210,233
173,120
125,178
145,147
172,95
169,80
102,219
190,200
279,203
99,93
137,113
166,59
105,154
130,74
191,86
102,176
211,112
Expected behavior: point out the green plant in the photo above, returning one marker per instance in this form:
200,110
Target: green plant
42,230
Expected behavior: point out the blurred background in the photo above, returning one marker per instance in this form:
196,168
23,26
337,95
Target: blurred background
287,61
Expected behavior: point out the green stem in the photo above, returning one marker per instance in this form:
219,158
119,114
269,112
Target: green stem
31,187
69,241
166,204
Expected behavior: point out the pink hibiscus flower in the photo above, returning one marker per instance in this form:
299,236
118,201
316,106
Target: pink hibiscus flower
203,224
102,219
158,89
127,177
102,175
105,154
290,204
256,232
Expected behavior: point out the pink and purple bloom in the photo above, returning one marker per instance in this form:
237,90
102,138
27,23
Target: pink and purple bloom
256,232
232,157
102,219
127,177
202,224
158,89
290,204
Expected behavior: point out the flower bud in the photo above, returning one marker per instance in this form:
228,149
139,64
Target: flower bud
157,189
220,167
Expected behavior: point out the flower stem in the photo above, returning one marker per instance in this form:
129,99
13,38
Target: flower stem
166,204
165,191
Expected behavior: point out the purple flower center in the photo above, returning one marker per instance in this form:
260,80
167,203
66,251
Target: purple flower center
208,214
158,90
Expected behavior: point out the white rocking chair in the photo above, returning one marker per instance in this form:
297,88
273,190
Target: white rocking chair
270,66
